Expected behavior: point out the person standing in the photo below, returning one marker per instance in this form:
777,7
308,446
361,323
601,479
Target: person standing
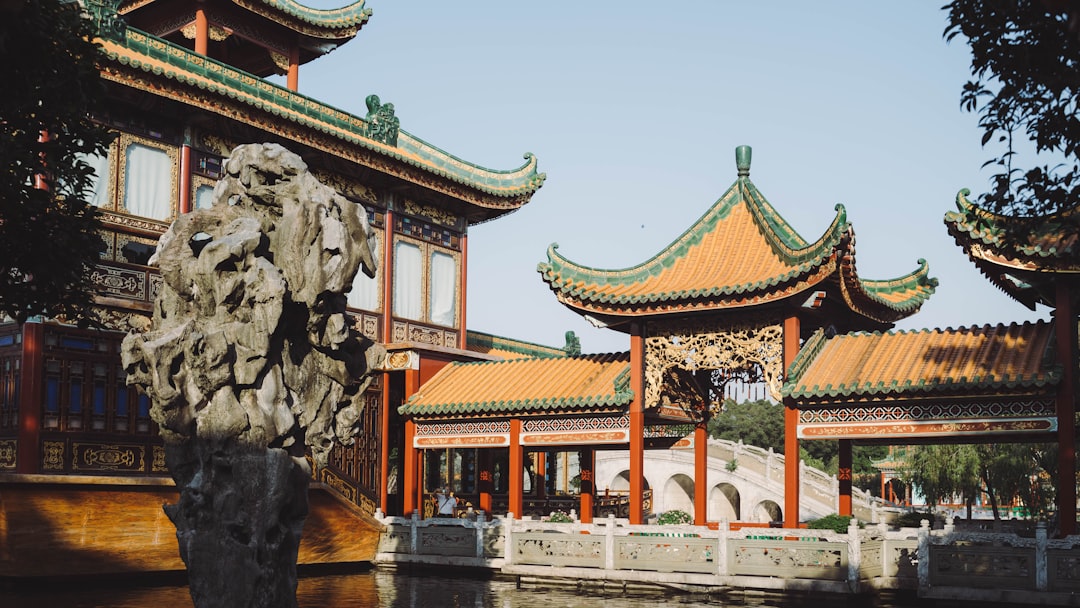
447,502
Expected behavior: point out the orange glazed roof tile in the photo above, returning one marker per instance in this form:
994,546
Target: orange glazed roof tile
877,365
508,348
740,253
543,385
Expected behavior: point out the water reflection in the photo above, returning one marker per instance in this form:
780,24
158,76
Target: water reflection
382,589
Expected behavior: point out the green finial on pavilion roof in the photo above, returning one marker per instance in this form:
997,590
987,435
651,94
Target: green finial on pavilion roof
742,160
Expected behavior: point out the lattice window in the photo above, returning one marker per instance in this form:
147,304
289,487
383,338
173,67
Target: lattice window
715,354
10,369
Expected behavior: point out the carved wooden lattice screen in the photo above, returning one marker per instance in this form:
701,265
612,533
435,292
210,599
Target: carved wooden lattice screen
750,350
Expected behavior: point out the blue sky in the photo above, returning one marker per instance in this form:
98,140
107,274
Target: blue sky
634,110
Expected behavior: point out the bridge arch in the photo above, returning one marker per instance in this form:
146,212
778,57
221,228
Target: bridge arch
621,482
766,511
724,503
679,493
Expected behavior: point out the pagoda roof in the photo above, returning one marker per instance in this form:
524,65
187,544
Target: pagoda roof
137,59
874,366
585,384
1022,256
740,253
331,24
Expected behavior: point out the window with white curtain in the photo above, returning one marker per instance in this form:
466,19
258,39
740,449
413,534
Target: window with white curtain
148,183
366,291
408,281
442,289
99,182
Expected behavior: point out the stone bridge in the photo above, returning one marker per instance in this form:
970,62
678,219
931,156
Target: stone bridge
745,483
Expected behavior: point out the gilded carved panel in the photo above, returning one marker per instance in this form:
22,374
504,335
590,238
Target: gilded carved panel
754,346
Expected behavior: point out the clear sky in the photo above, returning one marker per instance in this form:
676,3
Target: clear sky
634,110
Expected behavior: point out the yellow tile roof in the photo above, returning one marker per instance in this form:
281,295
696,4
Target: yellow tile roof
535,386
860,366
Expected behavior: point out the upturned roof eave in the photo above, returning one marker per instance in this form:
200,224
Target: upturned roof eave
149,54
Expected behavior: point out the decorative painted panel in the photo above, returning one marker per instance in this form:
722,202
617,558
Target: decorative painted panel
9,453
571,430
406,331
929,419
119,282
52,456
104,457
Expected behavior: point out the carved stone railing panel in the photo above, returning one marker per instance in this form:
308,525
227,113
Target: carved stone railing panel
667,554
753,344
870,564
556,549
493,543
788,559
986,567
446,540
901,558
395,539
1063,569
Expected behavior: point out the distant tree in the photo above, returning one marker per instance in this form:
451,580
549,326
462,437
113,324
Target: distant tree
1025,63
48,237
1002,472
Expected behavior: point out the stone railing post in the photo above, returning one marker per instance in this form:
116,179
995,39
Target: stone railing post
508,539
414,533
950,525
480,529
924,554
875,517
854,555
1042,582
722,547
609,543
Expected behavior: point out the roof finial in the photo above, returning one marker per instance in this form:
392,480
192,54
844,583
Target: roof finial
742,160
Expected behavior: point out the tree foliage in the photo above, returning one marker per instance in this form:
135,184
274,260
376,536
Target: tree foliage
1001,472
48,237
1025,64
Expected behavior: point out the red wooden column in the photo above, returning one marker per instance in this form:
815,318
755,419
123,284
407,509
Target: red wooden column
412,491
386,331
587,467
185,179
1065,329
701,475
463,330
202,29
486,478
28,459
384,445
637,423
517,467
791,422
844,477
540,462
293,79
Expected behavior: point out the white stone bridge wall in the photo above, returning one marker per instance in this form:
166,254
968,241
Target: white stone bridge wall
751,489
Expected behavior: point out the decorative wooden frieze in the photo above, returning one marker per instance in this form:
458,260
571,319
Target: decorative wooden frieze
52,456
401,360
157,464
119,282
462,434
107,457
404,331
576,430
9,451
941,419
434,214
338,484
754,346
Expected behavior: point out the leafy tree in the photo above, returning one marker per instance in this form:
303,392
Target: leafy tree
48,237
1025,64
1002,472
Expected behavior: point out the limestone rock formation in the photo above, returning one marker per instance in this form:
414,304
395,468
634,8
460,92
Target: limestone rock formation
250,358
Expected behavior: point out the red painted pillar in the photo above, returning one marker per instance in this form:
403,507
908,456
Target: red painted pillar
486,476
540,462
384,445
637,423
791,439
293,79
28,459
701,475
1065,328
843,475
587,466
462,331
185,178
202,29
517,467
409,472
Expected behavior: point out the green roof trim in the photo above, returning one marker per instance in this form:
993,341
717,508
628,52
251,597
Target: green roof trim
521,347
348,16
186,67
809,351
992,229
918,282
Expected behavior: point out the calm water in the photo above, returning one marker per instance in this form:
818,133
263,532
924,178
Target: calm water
391,590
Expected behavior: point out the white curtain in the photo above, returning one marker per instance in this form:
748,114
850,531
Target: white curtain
204,197
99,183
148,183
408,281
443,289
365,290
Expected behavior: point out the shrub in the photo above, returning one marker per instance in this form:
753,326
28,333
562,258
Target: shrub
834,522
560,517
912,519
674,518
